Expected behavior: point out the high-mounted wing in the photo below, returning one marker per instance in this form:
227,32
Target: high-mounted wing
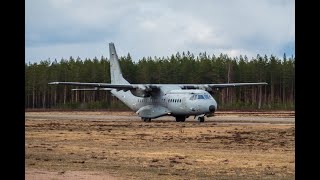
210,87
207,87
142,90
99,86
92,89
235,84
151,87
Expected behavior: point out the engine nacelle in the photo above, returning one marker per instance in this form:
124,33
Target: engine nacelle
207,88
141,91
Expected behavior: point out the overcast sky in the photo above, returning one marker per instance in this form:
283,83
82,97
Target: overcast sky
58,29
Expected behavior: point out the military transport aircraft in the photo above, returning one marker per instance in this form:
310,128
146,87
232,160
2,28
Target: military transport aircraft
155,100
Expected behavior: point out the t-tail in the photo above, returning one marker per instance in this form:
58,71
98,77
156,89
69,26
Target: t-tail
115,71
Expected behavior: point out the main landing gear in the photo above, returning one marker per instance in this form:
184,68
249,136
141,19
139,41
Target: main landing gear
180,118
146,119
201,119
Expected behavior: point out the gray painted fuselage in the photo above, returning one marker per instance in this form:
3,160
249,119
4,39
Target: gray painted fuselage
173,100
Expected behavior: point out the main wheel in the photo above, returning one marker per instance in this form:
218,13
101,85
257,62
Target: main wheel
180,118
146,119
201,119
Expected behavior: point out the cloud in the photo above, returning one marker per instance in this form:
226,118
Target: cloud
158,28
65,51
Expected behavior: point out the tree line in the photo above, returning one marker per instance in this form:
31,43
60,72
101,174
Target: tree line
178,68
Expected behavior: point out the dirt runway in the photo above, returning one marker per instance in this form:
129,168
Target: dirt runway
118,145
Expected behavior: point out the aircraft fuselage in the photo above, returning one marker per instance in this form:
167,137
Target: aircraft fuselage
179,102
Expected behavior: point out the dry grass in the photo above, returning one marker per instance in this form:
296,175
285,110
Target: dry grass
162,149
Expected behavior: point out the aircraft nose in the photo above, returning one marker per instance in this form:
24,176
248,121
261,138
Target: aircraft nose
212,108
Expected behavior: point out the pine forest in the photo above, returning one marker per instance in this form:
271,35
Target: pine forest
180,68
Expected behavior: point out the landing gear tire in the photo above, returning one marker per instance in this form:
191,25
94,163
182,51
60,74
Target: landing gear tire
201,119
146,119
180,118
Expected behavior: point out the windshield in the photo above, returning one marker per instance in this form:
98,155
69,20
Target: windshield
200,96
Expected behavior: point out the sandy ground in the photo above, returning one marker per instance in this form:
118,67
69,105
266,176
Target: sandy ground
118,145
36,174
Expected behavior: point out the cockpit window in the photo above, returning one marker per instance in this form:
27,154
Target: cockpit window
193,97
200,96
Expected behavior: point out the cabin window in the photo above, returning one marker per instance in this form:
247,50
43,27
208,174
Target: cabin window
200,97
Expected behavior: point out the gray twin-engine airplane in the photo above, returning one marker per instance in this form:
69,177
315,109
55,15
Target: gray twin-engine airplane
155,100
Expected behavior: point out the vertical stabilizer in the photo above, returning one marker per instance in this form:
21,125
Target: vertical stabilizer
115,71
